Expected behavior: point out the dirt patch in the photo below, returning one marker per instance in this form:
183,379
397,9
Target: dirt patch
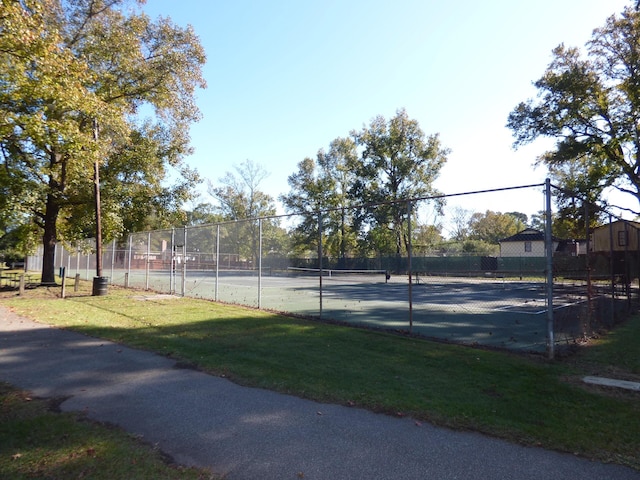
160,296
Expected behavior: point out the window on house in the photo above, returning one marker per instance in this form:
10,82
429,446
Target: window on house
623,238
527,246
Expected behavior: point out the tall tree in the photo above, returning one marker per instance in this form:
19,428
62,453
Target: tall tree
239,195
398,163
578,200
337,169
460,223
241,200
325,185
308,196
591,106
491,227
69,64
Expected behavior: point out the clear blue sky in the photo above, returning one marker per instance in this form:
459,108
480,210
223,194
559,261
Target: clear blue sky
286,77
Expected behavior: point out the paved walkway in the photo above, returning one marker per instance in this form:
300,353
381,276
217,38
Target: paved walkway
248,433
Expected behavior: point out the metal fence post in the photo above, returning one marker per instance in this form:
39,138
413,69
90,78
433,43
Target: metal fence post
172,263
259,263
588,327
320,254
409,267
113,259
549,286
612,272
217,260
126,282
184,263
627,271
148,263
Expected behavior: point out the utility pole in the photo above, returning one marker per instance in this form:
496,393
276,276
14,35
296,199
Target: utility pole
99,285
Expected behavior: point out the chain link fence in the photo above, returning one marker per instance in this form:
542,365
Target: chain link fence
459,275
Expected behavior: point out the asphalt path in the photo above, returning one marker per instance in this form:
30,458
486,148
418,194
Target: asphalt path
248,433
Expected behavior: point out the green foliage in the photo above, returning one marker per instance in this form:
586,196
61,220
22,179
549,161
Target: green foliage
426,238
202,214
75,79
398,163
241,201
578,196
325,184
361,185
491,227
239,196
591,107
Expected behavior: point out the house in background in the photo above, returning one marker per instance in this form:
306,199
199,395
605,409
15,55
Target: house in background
571,248
527,243
615,250
625,236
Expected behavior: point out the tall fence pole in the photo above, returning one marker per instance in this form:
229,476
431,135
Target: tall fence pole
184,263
588,327
320,254
612,272
113,259
172,264
549,283
259,263
217,261
148,263
627,270
128,276
409,266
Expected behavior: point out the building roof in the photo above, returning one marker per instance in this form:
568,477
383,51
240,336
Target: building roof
526,235
630,223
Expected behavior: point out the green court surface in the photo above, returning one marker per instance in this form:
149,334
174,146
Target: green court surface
495,312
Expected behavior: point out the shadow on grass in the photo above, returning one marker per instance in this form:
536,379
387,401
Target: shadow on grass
515,397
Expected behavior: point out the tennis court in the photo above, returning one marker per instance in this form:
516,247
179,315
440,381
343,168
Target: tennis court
496,312
494,295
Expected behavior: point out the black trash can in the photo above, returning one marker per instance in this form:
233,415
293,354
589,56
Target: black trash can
100,286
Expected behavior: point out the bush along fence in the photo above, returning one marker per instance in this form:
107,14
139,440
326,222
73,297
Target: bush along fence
525,289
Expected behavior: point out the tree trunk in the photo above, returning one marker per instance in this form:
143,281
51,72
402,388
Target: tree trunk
49,239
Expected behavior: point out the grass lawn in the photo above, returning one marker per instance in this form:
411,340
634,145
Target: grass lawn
525,399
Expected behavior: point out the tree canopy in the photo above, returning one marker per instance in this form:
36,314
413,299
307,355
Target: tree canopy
325,184
590,103
88,80
398,163
363,183
241,201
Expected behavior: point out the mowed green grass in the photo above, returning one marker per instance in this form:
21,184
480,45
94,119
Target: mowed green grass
525,399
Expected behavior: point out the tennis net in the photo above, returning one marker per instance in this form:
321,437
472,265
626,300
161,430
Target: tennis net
337,274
